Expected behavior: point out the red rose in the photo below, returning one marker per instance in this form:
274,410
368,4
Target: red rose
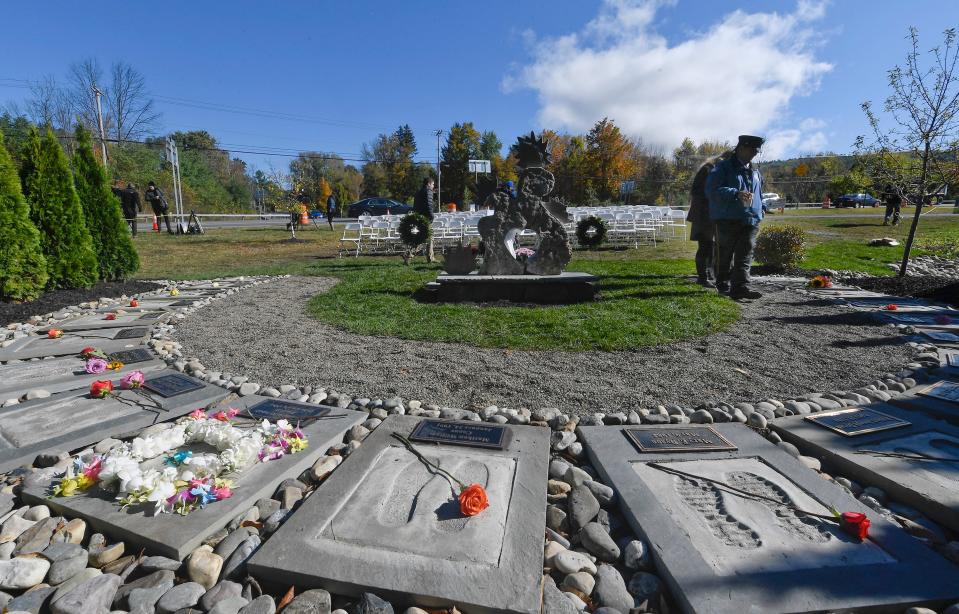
86,352
855,524
473,500
101,388
110,316
134,303
54,333
892,307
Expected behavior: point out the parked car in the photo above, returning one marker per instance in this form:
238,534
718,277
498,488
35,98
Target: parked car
771,199
378,206
855,201
317,214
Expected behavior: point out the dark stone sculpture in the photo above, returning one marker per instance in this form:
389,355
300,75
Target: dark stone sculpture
529,210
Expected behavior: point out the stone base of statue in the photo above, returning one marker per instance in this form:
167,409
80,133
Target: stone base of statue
562,289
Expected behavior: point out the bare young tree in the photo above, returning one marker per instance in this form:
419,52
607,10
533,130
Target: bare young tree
924,108
130,106
84,76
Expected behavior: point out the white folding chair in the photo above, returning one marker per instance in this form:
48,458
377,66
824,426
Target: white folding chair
352,236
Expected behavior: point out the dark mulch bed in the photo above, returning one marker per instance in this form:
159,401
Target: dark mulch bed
59,299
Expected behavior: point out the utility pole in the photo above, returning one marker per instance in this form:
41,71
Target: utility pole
439,176
103,144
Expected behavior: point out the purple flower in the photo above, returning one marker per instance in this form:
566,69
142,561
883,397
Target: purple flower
95,365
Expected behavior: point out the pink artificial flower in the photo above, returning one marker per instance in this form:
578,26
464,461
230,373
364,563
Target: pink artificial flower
232,412
182,496
222,493
198,414
92,470
95,365
221,416
134,379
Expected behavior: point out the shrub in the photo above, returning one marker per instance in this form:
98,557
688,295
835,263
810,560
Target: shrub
23,269
114,248
781,248
57,214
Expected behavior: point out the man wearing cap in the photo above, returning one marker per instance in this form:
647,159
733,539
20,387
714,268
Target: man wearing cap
734,188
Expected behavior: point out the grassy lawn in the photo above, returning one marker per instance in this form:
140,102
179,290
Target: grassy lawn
646,296
643,303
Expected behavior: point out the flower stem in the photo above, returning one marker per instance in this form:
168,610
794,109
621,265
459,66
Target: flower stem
742,493
409,446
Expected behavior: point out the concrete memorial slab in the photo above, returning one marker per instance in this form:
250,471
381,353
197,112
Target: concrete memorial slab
72,419
913,457
939,398
939,336
722,552
176,536
393,527
99,322
109,340
67,372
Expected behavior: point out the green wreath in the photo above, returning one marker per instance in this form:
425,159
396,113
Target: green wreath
583,228
415,229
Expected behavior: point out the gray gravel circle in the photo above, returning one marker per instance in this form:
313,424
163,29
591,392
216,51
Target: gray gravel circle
787,343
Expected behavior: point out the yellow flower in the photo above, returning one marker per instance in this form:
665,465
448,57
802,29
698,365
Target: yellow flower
174,292
114,365
298,445
66,488
84,482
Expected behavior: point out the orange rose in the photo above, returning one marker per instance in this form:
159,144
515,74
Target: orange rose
54,333
473,500
134,303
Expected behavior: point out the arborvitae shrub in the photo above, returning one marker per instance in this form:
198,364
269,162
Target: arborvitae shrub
23,269
57,214
115,252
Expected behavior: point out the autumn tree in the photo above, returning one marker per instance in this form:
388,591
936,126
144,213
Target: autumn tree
608,158
116,255
924,112
390,169
23,269
462,145
55,210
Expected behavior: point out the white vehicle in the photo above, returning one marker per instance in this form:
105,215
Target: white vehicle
770,199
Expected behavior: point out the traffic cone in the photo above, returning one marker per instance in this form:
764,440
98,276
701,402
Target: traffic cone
156,226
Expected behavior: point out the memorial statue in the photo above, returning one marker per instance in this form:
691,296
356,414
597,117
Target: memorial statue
528,210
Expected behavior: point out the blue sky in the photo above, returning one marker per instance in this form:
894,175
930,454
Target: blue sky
795,72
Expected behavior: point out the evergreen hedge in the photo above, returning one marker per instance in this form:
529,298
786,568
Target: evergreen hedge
23,269
56,211
114,248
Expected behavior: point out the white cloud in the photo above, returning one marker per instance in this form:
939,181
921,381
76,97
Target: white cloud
736,77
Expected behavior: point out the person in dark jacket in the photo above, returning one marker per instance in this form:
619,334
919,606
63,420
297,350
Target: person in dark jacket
735,191
893,205
130,203
160,207
423,204
423,201
702,229
330,210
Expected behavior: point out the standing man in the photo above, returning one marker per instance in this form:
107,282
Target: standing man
130,202
330,209
735,191
893,205
160,206
423,204
702,229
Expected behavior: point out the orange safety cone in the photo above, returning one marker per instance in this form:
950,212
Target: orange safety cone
156,226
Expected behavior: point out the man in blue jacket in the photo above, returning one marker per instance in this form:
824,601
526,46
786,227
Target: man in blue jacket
734,188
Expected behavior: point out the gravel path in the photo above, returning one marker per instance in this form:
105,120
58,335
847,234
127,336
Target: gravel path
788,344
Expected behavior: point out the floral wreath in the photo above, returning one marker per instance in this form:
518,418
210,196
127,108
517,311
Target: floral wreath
187,481
582,232
422,231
